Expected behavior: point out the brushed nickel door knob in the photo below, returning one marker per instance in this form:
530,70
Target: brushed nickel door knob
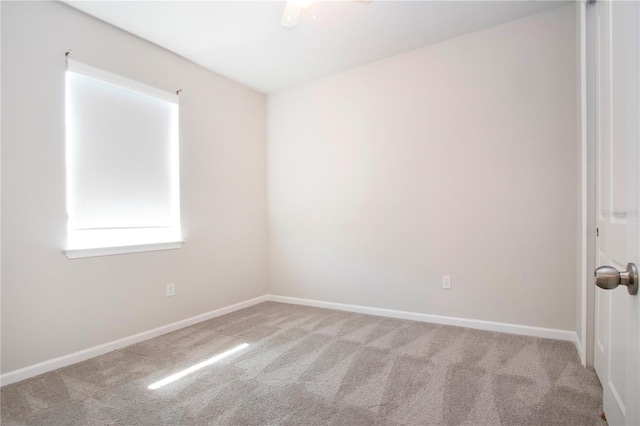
608,278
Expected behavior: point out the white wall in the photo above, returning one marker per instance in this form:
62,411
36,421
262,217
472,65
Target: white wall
460,159
52,306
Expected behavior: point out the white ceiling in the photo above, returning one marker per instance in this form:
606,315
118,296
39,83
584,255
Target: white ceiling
243,40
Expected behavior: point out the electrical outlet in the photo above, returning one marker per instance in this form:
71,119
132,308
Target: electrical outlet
446,282
171,289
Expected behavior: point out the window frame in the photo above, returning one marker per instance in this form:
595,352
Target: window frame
102,242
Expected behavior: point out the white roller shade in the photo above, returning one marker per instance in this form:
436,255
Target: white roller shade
122,155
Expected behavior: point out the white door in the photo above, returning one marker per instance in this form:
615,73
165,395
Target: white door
617,316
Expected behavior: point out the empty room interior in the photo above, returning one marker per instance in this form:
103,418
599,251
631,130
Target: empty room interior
314,212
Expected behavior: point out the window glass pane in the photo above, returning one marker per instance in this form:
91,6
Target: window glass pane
119,156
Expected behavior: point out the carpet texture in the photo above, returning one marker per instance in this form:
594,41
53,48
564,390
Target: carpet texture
310,366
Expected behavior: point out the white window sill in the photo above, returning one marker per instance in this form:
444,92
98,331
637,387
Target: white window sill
107,251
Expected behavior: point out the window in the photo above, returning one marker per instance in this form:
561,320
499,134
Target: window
122,165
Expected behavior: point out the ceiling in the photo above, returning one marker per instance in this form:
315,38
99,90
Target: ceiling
244,41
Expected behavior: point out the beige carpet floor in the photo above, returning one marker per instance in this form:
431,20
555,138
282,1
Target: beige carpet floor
310,366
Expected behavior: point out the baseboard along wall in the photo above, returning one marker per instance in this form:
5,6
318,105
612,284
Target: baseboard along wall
524,330
83,355
65,360
581,349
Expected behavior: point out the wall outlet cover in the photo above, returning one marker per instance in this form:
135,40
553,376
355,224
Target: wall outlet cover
171,289
446,282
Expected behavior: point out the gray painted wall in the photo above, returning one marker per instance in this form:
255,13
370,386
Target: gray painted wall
52,306
457,159
460,159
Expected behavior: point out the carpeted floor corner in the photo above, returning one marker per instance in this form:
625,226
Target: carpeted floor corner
310,366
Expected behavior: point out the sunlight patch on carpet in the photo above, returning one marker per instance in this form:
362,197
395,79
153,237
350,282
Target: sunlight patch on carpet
172,378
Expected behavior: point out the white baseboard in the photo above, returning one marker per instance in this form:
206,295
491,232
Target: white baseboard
525,330
580,349
65,360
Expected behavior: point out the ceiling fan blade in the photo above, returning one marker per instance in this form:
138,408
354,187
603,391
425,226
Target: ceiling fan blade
290,15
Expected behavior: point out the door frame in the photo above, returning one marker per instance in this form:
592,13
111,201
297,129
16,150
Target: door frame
586,91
